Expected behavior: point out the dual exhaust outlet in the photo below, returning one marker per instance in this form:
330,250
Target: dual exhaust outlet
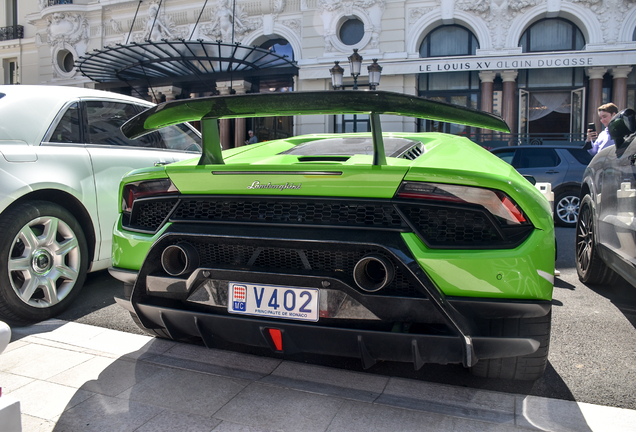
372,273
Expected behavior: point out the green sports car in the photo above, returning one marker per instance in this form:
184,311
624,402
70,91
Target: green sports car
385,246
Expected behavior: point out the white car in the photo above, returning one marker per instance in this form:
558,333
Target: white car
62,156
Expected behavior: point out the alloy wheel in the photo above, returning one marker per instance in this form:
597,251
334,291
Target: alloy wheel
584,239
567,209
44,262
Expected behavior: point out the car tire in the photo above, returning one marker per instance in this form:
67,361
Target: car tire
566,208
589,266
527,368
43,261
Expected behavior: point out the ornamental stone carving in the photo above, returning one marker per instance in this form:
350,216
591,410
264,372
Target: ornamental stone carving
610,13
368,11
417,13
67,28
498,14
294,25
157,26
224,19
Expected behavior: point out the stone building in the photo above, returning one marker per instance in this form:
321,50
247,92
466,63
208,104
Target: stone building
543,65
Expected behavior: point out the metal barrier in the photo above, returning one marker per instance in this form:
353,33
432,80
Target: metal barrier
494,140
11,32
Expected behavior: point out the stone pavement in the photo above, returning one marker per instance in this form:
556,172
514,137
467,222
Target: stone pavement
76,377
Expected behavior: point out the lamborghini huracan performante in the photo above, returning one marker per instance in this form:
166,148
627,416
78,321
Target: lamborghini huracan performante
384,246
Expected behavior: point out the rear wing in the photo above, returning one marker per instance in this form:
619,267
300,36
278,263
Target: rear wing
374,103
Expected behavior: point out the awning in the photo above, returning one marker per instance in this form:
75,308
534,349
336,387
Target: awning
167,61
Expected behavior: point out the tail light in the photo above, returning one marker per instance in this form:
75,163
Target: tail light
454,216
496,202
145,189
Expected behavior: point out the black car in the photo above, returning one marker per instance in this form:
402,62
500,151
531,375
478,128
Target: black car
561,166
606,230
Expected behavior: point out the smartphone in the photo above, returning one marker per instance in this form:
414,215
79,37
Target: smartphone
592,126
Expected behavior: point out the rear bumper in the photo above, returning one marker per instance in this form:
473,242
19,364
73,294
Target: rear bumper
369,346
409,320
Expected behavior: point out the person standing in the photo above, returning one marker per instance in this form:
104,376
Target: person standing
253,138
598,142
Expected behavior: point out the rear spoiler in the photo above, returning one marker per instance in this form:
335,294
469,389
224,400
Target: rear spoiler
209,109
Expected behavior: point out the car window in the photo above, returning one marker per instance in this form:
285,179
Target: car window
506,155
537,158
180,137
351,146
104,121
68,129
583,156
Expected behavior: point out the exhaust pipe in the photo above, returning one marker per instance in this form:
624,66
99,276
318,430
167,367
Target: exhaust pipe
179,259
373,272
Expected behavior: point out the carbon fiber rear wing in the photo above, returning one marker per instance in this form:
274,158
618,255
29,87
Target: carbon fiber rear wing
374,103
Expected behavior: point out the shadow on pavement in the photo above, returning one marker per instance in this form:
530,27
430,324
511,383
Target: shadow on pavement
130,383
622,295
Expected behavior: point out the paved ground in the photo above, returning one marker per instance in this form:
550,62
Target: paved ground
592,352
77,377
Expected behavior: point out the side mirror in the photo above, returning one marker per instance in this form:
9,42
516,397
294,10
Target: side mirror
623,124
531,179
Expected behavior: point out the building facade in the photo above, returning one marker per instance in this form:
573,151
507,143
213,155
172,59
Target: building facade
543,65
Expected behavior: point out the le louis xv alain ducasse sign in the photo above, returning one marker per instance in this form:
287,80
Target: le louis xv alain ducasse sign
522,61
508,63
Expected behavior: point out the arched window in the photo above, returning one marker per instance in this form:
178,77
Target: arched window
460,87
634,35
552,34
450,40
279,46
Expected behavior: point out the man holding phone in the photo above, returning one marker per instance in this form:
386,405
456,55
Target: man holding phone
598,142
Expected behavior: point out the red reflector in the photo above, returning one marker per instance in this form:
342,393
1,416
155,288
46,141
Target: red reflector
277,338
513,210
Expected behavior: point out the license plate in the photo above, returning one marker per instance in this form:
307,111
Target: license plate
273,301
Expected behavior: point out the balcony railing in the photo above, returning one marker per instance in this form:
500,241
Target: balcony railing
11,32
493,140
58,2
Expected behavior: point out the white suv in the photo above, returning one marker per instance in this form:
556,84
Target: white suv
62,156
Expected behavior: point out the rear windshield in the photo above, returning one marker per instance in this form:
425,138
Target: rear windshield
581,155
393,147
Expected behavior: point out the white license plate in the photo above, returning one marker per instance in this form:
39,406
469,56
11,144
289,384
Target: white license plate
273,301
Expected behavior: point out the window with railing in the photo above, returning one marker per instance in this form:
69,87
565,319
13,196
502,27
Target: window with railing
11,32
58,2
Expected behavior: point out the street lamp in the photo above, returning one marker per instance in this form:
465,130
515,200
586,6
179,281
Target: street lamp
355,65
336,75
375,70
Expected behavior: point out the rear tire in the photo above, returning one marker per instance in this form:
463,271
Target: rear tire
529,367
43,261
589,266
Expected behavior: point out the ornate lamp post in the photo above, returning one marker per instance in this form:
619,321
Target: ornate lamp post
355,65
336,75
375,71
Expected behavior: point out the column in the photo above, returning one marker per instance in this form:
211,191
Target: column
509,103
619,90
595,75
170,92
225,126
487,79
240,133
